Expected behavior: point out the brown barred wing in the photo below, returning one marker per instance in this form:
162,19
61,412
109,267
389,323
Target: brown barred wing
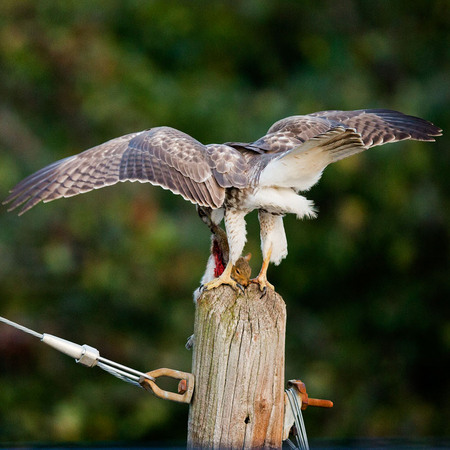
161,156
380,126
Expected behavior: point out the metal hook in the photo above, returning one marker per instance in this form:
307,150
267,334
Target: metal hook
181,397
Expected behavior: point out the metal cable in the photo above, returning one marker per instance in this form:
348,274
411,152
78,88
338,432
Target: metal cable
301,437
129,370
120,371
290,443
119,374
21,328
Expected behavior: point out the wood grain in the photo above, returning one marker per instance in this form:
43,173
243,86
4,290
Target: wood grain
238,363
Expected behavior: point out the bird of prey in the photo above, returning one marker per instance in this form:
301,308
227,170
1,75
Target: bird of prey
232,179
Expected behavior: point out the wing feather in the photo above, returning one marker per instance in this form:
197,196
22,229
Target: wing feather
301,167
321,138
288,133
376,127
229,166
161,156
380,126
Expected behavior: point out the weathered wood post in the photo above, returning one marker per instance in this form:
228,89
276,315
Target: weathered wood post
238,363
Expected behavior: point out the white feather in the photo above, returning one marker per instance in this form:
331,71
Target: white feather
206,278
302,167
236,232
273,237
280,201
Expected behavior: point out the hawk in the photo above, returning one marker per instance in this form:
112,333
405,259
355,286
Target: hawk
230,179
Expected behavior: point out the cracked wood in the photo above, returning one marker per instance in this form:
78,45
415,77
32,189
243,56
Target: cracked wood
238,363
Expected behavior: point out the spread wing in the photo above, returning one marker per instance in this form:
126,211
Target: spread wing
375,126
161,156
298,148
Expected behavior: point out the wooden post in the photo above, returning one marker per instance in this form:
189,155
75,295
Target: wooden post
238,363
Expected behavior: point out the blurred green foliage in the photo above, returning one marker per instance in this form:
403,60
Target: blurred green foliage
366,284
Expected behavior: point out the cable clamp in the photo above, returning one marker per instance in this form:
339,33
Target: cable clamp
89,356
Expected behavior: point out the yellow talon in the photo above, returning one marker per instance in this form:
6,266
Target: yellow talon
261,279
263,283
225,278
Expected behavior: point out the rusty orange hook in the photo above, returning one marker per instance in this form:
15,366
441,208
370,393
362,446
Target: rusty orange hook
183,395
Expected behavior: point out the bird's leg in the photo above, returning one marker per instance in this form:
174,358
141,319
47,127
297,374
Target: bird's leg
231,244
261,279
225,278
273,240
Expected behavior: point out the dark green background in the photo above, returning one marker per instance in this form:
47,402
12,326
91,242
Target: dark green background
366,284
